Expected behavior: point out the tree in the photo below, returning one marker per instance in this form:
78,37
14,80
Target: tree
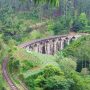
51,70
58,83
52,2
80,22
67,64
80,50
53,79
80,82
83,19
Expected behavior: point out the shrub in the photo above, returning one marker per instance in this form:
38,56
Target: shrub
76,26
83,19
14,66
80,50
58,83
51,70
26,65
80,22
81,82
35,34
67,64
40,81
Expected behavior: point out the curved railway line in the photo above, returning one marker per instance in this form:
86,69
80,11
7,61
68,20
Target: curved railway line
5,62
6,75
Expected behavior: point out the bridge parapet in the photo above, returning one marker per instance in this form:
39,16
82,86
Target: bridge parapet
50,45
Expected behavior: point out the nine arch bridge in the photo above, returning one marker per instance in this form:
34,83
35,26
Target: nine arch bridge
46,46
50,45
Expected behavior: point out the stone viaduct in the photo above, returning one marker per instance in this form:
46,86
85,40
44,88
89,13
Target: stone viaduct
45,46
50,45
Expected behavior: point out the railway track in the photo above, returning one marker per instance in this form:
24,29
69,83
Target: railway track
6,75
5,63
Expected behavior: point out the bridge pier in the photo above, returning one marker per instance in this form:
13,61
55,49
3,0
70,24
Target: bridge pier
50,45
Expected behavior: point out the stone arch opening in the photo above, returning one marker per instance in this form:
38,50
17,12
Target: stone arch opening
72,39
43,49
57,46
65,43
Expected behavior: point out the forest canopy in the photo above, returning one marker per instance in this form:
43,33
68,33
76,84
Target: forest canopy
26,20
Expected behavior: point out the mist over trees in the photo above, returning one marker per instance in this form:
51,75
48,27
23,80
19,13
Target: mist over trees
72,6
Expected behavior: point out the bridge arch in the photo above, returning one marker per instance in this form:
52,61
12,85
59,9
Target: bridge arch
50,45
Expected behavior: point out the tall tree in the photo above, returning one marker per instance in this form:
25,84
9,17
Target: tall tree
52,2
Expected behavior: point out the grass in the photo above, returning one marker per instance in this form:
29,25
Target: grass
3,83
3,53
38,60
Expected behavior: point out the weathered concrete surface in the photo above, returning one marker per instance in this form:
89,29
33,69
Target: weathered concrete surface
50,45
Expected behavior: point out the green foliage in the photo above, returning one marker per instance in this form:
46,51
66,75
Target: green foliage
51,70
50,27
29,15
53,78
35,35
85,30
80,49
80,22
81,82
58,26
14,65
52,2
15,25
58,82
11,26
40,81
67,64
40,78
26,65
30,82
83,19
3,49
2,83
44,72
85,71
76,26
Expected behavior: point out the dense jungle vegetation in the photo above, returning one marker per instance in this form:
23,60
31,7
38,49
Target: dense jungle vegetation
26,20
